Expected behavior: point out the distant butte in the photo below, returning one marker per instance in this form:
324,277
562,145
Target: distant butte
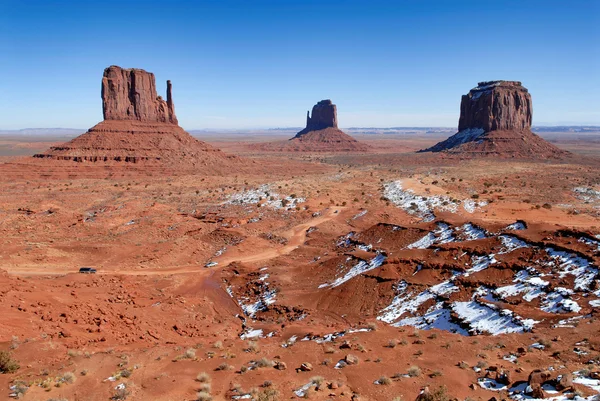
495,120
139,126
322,133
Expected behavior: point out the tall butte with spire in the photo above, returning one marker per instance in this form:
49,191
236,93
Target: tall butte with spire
139,127
495,120
322,133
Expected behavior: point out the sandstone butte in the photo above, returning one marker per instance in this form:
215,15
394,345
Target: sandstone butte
495,120
139,127
322,133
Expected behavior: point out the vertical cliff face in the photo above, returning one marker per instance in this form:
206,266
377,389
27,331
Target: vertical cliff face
496,106
130,94
495,120
324,115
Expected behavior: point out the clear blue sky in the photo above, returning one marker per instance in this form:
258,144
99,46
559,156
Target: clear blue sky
252,63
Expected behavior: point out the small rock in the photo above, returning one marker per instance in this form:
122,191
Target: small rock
538,376
351,359
537,391
565,382
306,367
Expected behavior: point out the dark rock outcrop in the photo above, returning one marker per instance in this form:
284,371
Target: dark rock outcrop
321,134
130,94
138,127
495,120
496,106
324,115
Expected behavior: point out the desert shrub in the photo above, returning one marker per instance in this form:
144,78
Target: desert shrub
482,364
205,387
547,206
463,365
223,366
414,371
439,394
264,363
203,377
317,380
190,354
7,363
384,380
392,343
69,377
252,347
218,345
268,394
120,394
20,389
203,396
436,373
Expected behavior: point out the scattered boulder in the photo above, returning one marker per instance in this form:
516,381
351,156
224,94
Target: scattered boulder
537,391
503,377
539,376
351,359
565,382
280,365
306,367
424,395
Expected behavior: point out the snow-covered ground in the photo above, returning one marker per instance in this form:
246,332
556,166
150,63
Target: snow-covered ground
425,206
587,195
522,391
359,268
269,198
479,314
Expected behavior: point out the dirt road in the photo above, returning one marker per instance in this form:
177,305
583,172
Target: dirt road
295,236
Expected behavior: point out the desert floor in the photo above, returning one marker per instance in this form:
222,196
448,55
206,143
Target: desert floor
321,276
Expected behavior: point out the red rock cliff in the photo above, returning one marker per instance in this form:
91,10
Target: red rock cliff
130,94
496,106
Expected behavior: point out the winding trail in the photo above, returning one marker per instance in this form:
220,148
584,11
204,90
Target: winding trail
295,236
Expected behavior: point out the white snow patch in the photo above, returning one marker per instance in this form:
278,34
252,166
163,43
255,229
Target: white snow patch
264,193
360,214
360,268
483,318
251,333
516,226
